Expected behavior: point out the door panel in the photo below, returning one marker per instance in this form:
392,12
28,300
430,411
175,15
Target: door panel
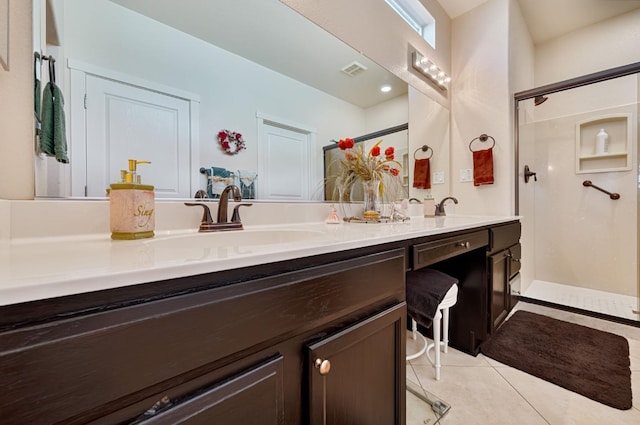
365,383
126,122
283,171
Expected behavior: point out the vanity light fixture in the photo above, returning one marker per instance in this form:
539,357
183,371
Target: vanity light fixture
430,70
385,88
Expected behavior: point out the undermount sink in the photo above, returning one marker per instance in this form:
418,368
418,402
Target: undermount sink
236,238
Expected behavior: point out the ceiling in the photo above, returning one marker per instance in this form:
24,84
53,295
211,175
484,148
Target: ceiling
548,19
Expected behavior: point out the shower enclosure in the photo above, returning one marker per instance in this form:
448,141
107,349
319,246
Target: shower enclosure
577,192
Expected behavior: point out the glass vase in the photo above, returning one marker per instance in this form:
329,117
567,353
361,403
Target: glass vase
371,192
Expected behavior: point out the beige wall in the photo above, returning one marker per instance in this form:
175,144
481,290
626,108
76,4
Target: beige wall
584,238
481,103
610,43
16,108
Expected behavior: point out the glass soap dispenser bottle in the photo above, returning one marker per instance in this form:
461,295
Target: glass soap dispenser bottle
132,205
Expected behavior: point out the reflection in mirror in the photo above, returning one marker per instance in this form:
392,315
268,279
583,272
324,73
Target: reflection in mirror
159,80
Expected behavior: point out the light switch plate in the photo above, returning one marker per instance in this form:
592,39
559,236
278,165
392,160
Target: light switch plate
438,177
466,175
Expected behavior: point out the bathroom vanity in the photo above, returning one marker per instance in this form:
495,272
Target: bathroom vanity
182,329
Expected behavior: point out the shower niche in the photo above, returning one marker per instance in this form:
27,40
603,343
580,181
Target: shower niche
618,155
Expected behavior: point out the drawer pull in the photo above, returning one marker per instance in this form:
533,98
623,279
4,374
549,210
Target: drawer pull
324,366
463,244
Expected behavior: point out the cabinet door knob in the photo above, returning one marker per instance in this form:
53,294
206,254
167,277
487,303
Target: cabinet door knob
464,244
324,366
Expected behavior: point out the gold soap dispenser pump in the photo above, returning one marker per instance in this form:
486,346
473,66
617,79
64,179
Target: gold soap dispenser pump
132,205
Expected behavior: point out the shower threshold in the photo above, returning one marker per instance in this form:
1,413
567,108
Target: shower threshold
591,300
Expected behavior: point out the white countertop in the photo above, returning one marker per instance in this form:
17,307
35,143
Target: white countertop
39,268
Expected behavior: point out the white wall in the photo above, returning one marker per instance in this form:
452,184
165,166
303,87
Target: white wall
16,107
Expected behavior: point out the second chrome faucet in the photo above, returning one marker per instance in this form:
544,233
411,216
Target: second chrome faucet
222,223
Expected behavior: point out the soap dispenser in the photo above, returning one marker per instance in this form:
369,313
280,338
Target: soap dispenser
132,205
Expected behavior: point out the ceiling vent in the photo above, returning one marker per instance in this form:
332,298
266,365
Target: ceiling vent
354,68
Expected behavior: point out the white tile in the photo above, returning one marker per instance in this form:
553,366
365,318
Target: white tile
584,298
561,407
478,395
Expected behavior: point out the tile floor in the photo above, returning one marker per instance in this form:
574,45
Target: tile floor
482,391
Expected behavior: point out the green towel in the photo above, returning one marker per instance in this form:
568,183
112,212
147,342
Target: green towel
53,137
37,97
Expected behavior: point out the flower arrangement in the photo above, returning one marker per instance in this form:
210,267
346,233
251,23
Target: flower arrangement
228,138
370,166
377,175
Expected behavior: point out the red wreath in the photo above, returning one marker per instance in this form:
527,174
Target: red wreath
230,139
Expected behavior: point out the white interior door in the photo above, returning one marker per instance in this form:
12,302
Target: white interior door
128,122
283,166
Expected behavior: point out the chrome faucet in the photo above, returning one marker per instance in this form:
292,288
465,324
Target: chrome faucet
222,223
440,207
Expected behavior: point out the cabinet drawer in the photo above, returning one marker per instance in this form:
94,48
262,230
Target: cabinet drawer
429,253
501,237
260,388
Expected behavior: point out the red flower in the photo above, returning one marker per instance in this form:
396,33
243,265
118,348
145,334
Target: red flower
348,143
395,171
375,151
342,144
222,136
225,145
388,153
238,135
350,156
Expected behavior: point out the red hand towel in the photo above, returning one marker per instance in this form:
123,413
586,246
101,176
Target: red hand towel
421,174
483,167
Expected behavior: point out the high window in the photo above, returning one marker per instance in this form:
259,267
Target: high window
418,18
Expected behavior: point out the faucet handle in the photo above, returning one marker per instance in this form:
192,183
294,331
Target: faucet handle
235,217
206,214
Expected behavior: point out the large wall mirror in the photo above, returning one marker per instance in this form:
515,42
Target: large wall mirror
159,80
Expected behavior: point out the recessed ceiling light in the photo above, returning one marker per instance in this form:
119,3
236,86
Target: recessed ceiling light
386,88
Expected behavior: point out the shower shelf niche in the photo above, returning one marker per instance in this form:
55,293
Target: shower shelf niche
618,158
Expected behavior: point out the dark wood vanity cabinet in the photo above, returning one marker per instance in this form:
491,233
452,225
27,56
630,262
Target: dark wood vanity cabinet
503,265
229,353
485,262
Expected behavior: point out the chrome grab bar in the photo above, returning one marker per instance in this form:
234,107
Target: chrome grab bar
614,196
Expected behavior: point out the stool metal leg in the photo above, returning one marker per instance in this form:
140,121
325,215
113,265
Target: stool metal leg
436,344
436,341
445,329
414,329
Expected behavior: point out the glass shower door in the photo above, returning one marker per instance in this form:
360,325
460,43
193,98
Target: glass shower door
579,202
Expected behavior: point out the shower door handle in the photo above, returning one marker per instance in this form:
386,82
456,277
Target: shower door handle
528,174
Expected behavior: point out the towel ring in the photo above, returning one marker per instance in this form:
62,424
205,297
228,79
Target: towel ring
483,138
424,148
